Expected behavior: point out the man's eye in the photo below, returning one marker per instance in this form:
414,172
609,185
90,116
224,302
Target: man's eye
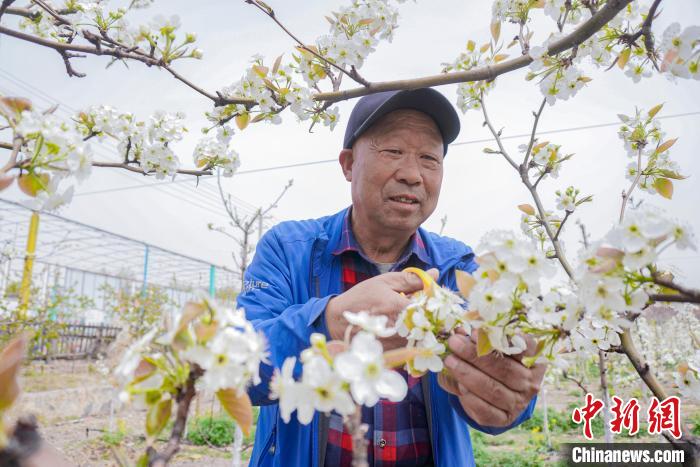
392,151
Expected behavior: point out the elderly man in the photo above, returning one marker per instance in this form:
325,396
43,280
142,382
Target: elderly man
306,273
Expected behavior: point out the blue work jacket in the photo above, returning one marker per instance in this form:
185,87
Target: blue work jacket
286,288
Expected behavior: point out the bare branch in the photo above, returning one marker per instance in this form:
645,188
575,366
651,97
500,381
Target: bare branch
60,19
530,145
578,382
561,225
139,170
626,195
496,134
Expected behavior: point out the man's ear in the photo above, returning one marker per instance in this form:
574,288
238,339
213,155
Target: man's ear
346,159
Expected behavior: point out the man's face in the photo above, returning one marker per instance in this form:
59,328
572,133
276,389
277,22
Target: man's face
395,170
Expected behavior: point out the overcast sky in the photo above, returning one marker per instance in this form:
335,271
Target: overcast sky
480,192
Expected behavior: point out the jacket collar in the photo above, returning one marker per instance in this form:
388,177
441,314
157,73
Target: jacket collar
348,242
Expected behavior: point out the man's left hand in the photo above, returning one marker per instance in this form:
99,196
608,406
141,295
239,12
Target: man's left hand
493,389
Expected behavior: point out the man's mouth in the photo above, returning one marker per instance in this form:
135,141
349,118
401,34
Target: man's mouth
404,199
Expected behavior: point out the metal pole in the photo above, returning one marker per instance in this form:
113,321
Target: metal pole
212,281
144,283
25,289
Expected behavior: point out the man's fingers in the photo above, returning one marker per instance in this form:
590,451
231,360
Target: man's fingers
434,273
405,282
481,411
509,371
487,388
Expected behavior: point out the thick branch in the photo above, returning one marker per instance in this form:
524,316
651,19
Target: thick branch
677,298
644,371
583,32
139,170
586,30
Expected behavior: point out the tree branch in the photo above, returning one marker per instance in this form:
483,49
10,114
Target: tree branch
583,32
24,12
184,399
4,6
693,294
139,170
677,298
496,134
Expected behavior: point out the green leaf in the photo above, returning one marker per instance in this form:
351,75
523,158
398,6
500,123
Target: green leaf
664,187
238,407
157,417
654,110
671,174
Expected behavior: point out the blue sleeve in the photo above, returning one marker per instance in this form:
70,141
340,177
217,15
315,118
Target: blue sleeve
268,302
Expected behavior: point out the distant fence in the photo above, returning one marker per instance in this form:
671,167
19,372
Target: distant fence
56,340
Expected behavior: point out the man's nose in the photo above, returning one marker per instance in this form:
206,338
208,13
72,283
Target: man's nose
409,171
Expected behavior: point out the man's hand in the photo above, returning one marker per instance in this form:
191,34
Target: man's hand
380,295
493,389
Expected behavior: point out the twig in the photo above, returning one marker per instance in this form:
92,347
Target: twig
52,12
561,225
578,382
353,74
496,134
530,145
626,195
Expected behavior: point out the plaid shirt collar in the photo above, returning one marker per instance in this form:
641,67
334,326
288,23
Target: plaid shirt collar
348,242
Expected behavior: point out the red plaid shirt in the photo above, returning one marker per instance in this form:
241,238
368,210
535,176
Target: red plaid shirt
398,432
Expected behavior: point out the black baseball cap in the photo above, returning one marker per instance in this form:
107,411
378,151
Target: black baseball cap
371,108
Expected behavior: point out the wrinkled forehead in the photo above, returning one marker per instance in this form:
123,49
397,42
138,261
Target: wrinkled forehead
417,122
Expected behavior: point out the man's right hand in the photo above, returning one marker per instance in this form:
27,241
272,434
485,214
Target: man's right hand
379,295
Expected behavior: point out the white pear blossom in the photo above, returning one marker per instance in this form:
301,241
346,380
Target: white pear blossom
375,324
363,367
